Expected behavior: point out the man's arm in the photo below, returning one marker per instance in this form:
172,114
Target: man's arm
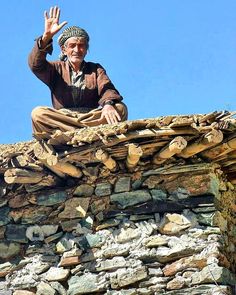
108,96
37,58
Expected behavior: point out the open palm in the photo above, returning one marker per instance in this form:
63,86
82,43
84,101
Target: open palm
52,25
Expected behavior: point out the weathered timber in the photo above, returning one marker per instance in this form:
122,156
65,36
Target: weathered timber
106,159
222,149
210,139
47,155
134,154
174,147
17,175
174,169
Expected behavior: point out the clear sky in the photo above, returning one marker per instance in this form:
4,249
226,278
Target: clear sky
166,57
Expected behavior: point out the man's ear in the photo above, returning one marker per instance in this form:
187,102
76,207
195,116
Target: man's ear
63,49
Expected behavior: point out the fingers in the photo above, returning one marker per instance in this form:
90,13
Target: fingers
54,12
62,24
45,15
111,115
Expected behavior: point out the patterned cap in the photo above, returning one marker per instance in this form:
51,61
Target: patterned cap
72,32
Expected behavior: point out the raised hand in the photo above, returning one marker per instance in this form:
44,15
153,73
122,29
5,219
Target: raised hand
52,26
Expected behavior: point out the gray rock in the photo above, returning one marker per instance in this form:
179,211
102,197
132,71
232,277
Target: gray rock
127,199
57,274
91,241
206,218
7,292
202,290
43,289
16,233
51,199
123,292
115,250
122,185
59,288
35,233
8,250
128,234
84,190
87,284
4,218
111,264
103,189
127,276
213,273
158,195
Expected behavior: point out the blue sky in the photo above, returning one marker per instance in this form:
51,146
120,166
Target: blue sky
165,57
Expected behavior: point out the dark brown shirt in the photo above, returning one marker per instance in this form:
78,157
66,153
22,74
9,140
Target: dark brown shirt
97,88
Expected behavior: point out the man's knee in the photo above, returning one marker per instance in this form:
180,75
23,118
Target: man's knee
38,113
122,110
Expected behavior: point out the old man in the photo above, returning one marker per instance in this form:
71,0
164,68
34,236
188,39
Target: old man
82,93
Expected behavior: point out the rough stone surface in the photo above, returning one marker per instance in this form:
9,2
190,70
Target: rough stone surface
86,284
84,190
57,274
127,199
103,189
122,185
74,208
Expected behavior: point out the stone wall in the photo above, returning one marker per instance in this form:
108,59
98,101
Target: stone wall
168,231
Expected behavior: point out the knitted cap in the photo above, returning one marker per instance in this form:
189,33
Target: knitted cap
73,31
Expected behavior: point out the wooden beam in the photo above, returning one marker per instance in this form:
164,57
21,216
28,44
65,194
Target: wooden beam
106,159
47,155
220,150
174,147
17,175
210,139
134,154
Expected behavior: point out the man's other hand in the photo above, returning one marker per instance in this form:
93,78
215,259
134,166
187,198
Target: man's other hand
111,114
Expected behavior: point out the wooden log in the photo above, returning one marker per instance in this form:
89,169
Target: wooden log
210,139
45,153
134,154
67,168
106,159
222,149
17,175
174,147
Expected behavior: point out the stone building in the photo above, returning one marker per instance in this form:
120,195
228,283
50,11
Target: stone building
141,207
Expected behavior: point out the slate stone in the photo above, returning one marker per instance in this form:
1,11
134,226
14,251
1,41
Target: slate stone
44,288
158,194
74,208
127,199
201,290
84,190
127,276
91,241
58,287
57,274
206,218
87,284
51,199
30,215
213,273
4,217
122,184
9,249
16,233
103,189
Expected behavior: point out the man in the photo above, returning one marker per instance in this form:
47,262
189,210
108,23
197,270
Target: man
82,93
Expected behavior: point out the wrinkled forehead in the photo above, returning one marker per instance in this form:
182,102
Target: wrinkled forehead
77,40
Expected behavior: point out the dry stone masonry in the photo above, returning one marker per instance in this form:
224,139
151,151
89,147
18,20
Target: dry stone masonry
121,210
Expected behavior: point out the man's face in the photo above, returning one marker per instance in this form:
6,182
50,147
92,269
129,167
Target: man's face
75,49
